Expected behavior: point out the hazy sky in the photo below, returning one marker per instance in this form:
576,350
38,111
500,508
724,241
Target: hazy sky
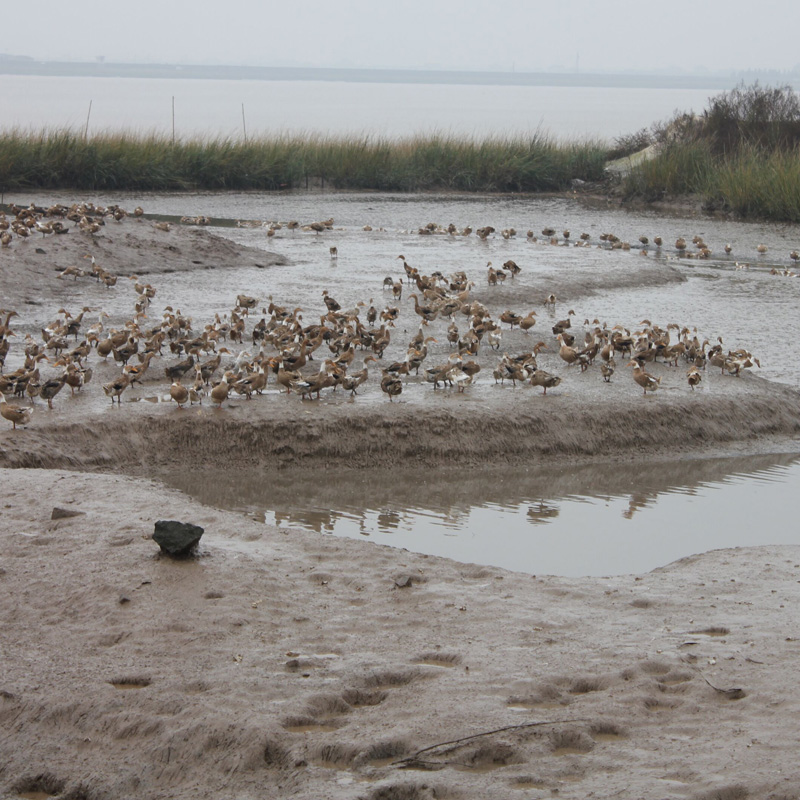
415,34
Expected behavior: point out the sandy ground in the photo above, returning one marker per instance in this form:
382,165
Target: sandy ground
285,664
282,663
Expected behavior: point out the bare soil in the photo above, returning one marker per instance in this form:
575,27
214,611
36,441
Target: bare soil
285,663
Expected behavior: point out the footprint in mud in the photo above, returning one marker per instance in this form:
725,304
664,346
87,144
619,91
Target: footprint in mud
390,678
737,792
333,756
675,681
384,753
438,659
39,787
651,667
131,682
587,685
547,696
322,713
714,630
490,756
359,698
570,742
305,724
528,782
660,704
606,732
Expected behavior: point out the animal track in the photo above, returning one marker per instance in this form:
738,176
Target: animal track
131,682
570,742
436,659
388,678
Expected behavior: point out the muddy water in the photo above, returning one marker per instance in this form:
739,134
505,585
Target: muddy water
598,519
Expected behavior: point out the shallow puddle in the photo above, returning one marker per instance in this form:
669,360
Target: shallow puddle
601,519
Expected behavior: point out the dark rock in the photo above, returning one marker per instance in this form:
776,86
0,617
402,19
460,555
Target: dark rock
65,513
176,538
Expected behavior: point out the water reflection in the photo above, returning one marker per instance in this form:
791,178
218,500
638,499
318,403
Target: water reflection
542,513
639,500
590,519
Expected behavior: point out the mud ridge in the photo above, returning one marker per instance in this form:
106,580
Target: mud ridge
396,436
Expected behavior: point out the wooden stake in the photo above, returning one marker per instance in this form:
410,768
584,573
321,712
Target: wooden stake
86,129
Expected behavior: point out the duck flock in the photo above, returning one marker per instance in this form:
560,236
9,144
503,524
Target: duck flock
256,343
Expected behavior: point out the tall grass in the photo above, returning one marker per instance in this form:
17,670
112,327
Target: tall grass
742,154
754,183
65,159
751,182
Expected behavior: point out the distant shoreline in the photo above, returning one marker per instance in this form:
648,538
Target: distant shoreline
448,77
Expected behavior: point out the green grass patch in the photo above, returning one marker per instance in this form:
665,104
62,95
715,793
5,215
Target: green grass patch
65,159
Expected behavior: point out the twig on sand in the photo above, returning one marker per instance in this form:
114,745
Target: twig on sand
414,758
732,694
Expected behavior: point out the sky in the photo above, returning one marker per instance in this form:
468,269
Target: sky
606,35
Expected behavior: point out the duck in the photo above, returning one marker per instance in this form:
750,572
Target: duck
694,377
287,377
180,369
137,371
49,389
391,385
14,414
512,267
567,353
545,380
116,387
77,378
75,272
607,369
644,379
197,390
427,313
457,376
179,393
245,302
511,318
351,382
219,392
527,322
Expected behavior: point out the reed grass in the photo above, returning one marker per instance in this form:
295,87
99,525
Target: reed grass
65,159
751,182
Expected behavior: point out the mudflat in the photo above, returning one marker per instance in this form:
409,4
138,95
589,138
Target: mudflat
286,663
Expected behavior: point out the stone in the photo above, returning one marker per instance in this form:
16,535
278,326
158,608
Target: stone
65,513
176,538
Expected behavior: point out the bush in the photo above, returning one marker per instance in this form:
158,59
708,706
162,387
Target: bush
761,116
